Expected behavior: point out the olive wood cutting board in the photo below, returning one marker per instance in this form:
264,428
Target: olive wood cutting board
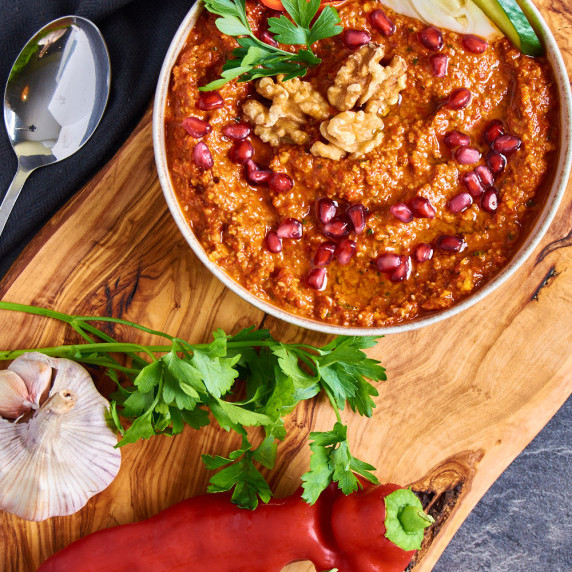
462,400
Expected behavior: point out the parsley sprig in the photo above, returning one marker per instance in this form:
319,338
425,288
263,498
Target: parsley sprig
161,388
254,58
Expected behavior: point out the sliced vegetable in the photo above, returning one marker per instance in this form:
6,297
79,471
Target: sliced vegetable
378,528
461,16
479,17
509,17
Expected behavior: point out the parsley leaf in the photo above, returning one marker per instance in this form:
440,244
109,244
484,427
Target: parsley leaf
218,374
344,369
325,26
317,479
182,382
239,474
331,460
254,58
230,415
286,32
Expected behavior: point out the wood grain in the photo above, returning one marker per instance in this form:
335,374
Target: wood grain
463,398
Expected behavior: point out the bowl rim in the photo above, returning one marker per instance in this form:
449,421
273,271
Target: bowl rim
535,235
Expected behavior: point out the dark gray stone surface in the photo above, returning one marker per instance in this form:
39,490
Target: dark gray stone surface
524,522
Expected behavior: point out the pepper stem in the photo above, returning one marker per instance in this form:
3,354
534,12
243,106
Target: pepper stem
405,520
413,519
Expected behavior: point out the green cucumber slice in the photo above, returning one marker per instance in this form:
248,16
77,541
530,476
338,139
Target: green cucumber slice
511,20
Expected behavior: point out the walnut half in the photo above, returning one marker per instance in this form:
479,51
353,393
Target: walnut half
293,102
362,79
355,132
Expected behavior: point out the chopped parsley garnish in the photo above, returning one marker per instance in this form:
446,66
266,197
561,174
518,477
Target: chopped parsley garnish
254,58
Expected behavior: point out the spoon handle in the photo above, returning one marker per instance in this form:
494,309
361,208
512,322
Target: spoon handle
12,195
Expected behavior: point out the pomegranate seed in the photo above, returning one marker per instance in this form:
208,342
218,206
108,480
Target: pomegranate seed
432,38
241,153
493,131
269,13
451,243
337,228
382,23
357,216
467,155
460,203
507,144
345,251
354,39
423,252
474,44
196,127
202,156
289,228
485,175
257,176
401,212
439,64
268,38
403,271
496,163
490,200
456,139
326,210
473,183
459,98
317,278
210,100
237,131
281,183
325,253
388,262
422,208
273,243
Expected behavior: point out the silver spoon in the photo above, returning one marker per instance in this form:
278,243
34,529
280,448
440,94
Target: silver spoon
55,96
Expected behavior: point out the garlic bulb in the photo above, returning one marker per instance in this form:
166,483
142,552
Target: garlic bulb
462,16
52,464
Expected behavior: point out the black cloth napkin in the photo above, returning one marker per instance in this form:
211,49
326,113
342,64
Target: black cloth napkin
138,34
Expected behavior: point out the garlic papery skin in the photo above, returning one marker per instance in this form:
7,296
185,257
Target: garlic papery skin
64,454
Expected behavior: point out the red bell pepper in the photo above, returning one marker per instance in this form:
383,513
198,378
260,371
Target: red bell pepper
209,533
277,4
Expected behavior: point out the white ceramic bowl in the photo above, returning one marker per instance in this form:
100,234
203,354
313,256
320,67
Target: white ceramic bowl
535,234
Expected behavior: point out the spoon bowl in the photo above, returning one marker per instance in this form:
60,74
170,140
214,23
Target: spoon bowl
55,96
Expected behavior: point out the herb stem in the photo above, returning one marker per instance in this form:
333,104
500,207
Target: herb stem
107,365
124,323
14,306
75,351
333,403
71,319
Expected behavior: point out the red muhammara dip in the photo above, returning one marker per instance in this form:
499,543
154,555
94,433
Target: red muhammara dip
363,209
